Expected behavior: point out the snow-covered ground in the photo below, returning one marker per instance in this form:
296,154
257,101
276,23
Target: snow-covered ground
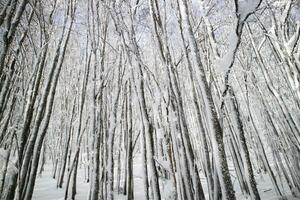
45,188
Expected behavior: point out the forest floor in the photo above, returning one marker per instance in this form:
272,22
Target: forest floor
45,187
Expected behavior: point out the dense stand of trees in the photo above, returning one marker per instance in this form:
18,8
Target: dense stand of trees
200,98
